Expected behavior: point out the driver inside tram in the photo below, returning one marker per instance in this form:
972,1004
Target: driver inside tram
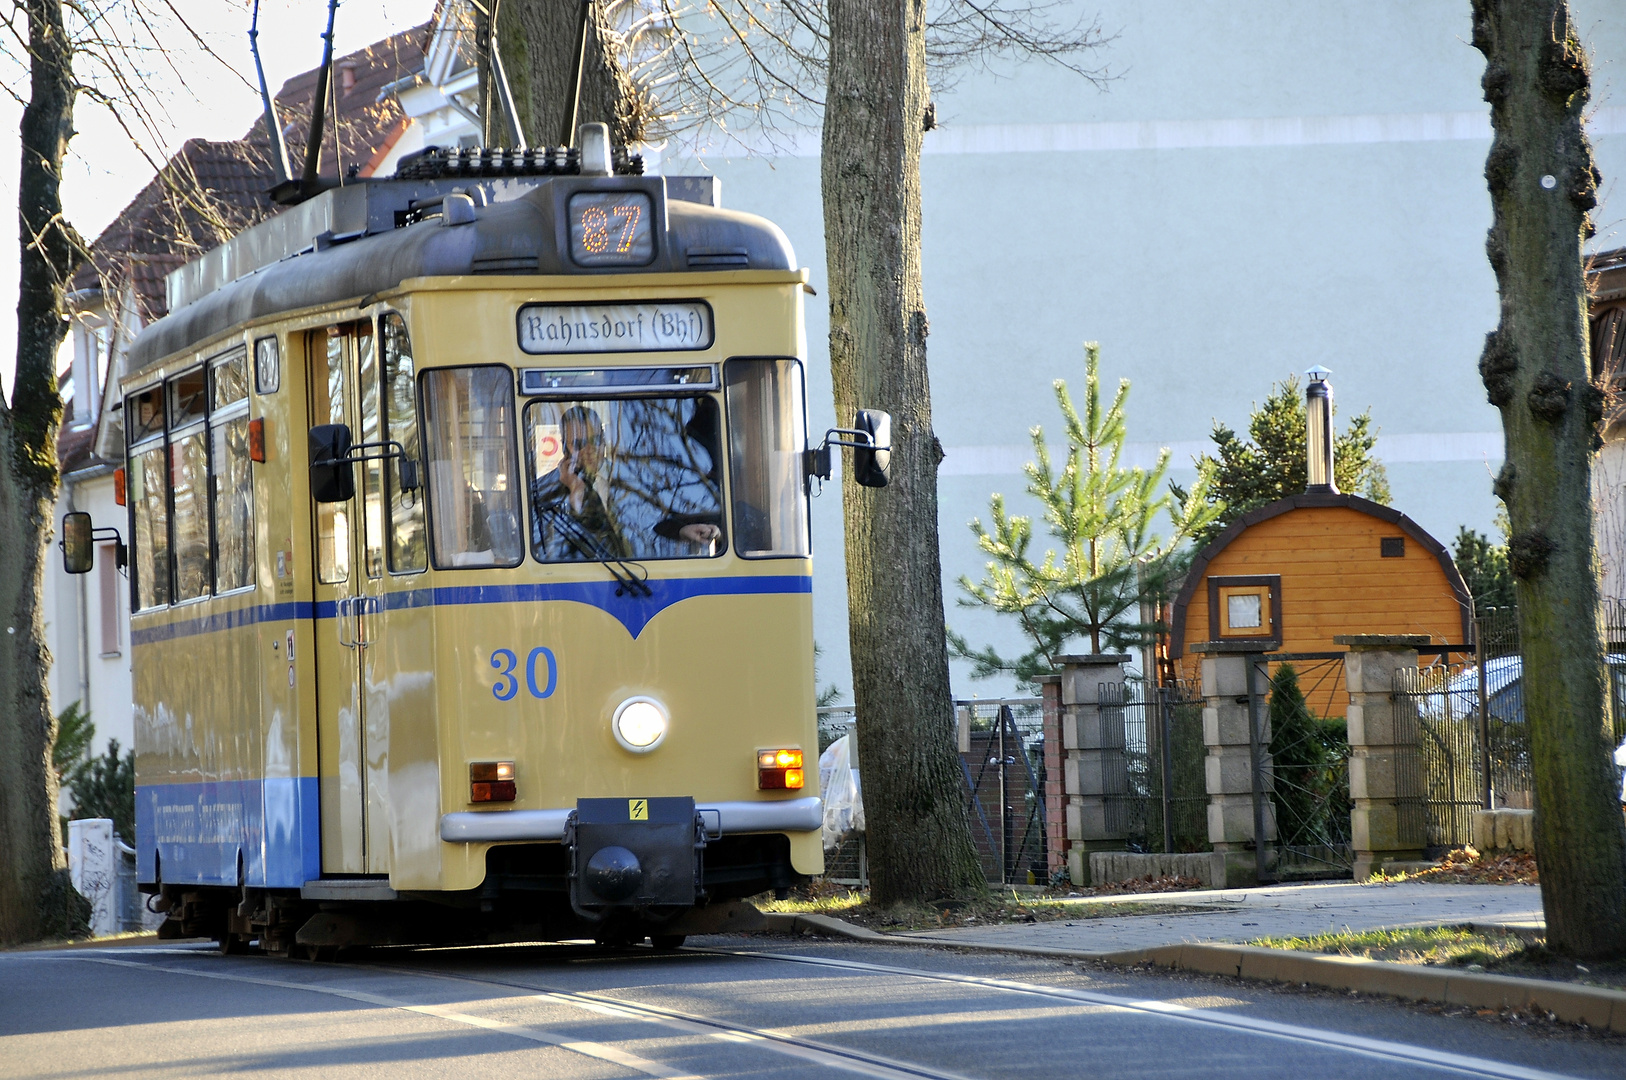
587,507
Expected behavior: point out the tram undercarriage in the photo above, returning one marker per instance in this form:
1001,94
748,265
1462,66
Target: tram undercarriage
526,896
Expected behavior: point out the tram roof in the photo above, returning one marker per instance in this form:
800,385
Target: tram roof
345,244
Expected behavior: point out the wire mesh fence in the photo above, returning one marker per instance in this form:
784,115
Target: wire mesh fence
1153,755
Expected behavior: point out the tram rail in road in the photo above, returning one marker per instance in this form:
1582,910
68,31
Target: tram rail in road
683,1042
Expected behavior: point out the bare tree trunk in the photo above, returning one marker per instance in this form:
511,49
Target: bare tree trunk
1542,183
35,899
919,841
537,39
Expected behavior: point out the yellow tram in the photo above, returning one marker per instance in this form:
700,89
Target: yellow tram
469,563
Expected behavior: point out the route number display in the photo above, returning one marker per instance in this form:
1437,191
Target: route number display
611,228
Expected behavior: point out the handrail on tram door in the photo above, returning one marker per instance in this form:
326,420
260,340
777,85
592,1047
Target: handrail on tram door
358,608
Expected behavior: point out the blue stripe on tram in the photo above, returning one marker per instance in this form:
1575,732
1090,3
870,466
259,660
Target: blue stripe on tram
633,612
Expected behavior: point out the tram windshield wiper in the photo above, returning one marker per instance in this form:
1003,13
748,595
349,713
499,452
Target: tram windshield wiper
630,577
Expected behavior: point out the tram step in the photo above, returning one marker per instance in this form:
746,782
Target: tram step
348,889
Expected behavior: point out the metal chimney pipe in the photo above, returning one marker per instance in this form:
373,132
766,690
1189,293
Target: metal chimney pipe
1318,441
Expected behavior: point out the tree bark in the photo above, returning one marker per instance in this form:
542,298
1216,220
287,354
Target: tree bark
918,837
35,900
537,39
1542,183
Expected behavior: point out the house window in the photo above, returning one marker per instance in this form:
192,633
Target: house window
108,587
1245,607
1392,547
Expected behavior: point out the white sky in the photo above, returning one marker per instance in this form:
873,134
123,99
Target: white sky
105,171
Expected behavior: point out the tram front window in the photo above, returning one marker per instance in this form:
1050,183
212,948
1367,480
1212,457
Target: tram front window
630,478
766,438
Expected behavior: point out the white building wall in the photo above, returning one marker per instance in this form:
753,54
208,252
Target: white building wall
1261,188
86,666
89,664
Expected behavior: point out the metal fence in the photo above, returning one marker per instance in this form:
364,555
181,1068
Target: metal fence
1153,739
1002,762
1457,747
1002,758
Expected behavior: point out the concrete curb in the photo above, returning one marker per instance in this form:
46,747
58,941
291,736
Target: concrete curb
1596,1007
149,937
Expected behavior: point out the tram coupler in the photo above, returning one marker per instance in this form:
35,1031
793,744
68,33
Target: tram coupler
634,854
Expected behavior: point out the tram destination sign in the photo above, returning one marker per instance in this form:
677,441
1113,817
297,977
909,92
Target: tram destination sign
664,326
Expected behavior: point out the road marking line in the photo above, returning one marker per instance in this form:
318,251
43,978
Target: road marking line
443,1012
856,1061
861,1062
1355,1044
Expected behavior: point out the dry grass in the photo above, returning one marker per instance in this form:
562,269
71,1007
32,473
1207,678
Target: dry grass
992,908
1502,953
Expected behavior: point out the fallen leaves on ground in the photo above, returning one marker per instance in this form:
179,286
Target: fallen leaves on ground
1466,866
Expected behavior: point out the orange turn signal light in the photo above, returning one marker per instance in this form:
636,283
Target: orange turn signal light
780,769
491,781
118,485
256,440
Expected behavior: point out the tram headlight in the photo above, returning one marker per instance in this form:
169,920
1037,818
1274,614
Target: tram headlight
640,724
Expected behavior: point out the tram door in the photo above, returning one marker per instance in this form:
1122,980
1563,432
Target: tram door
352,715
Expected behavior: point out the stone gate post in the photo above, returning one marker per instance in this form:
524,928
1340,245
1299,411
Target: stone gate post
1377,779
1096,768
1228,769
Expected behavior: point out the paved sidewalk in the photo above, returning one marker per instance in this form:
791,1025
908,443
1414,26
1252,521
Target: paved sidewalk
1236,915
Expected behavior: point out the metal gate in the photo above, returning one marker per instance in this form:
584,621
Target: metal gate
1153,744
1004,777
1308,782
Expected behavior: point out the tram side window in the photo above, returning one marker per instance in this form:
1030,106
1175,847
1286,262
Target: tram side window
766,437
147,494
189,501
473,474
407,554
146,415
372,469
233,479
328,407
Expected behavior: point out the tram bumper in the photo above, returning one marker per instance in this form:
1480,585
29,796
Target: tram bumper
634,854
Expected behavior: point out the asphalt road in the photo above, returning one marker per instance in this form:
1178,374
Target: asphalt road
733,1007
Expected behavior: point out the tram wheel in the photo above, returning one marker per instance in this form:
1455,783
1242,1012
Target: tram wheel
667,942
229,944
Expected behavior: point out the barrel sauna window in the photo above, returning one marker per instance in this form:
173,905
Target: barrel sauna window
1245,607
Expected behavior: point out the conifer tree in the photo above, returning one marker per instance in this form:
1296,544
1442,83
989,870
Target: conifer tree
1270,463
1104,517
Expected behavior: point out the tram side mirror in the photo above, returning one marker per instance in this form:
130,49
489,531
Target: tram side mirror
872,464
333,479
78,547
